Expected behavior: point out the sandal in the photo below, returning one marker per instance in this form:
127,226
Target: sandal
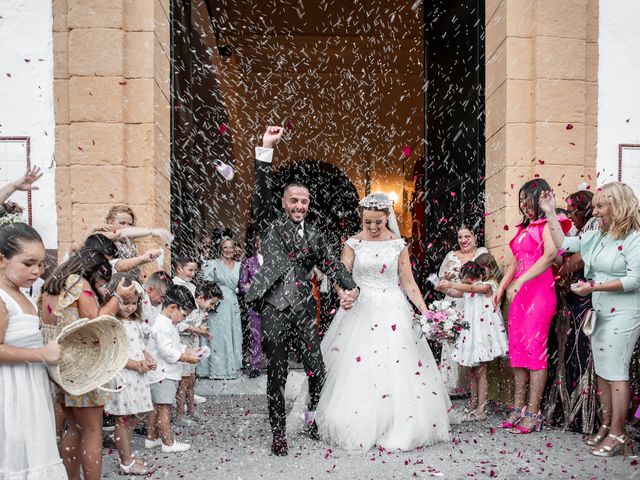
515,415
135,468
622,444
475,416
537,425
142,461
594,440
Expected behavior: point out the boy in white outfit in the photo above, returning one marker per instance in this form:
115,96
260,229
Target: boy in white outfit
164,345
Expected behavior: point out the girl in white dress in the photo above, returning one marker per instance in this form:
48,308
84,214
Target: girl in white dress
27,429
486,338
133,403
383,387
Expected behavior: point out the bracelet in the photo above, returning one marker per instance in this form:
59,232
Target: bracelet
120,299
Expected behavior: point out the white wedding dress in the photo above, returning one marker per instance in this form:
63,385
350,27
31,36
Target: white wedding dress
383,386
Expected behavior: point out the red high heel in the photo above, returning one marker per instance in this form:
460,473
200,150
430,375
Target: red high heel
538,424
519,411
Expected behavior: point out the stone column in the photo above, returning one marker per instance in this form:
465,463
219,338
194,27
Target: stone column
112,112
541,100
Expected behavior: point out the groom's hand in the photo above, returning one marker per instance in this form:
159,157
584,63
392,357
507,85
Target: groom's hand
348,298
272,136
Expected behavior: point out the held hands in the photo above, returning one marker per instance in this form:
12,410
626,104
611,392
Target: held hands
547,202
149,360
51,353
444,285
144,366
348,298
272,136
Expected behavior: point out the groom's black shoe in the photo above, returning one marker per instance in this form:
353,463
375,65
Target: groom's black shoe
312,431
279,445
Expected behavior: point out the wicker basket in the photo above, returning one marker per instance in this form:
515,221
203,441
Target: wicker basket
93,353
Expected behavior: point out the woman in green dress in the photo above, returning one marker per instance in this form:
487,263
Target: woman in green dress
611,258
225,362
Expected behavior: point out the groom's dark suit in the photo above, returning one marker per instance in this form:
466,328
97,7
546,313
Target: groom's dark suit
283,290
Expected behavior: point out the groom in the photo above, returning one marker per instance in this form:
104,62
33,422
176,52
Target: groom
291,248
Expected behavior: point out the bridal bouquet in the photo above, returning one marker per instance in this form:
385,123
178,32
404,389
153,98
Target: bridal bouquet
442,322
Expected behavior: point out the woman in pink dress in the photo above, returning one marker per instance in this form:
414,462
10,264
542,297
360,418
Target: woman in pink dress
529,284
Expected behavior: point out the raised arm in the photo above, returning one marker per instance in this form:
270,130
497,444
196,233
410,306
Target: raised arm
547,204
408,283
23,184
262,203
542,264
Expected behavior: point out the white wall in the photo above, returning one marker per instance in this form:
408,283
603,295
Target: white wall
618,82
26,98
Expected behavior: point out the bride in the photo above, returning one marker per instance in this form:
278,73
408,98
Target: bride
383,386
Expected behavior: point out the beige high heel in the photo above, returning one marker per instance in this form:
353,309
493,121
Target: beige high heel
623,444
594,440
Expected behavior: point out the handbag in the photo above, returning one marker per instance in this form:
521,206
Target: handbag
588,323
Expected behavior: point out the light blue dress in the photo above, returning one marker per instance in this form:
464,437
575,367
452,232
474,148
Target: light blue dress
618,313
224,324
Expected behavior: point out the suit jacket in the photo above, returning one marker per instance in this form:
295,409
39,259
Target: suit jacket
283,280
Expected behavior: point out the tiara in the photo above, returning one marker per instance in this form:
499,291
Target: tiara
376,201
10,218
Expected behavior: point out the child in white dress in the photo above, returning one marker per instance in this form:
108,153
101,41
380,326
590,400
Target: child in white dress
27,429
486,338
133,403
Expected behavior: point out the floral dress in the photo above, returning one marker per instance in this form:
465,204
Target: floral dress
135,398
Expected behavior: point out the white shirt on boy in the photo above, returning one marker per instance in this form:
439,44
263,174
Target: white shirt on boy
165,347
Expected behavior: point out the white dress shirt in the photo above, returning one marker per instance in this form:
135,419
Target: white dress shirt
192,318
165,347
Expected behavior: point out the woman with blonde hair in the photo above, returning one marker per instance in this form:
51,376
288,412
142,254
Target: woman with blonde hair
225,324
120,227
611,258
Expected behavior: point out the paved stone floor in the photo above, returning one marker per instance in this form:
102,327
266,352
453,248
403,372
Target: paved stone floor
233,443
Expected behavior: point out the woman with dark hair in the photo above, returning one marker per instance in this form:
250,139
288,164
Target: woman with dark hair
529,285
74,291
455,377
383,387
570,400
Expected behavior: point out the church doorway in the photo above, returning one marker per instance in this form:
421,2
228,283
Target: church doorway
384,96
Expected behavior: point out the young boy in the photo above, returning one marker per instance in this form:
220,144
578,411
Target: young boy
186,270
164,345
207,296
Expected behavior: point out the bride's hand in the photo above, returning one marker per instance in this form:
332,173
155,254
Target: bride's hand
348,298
